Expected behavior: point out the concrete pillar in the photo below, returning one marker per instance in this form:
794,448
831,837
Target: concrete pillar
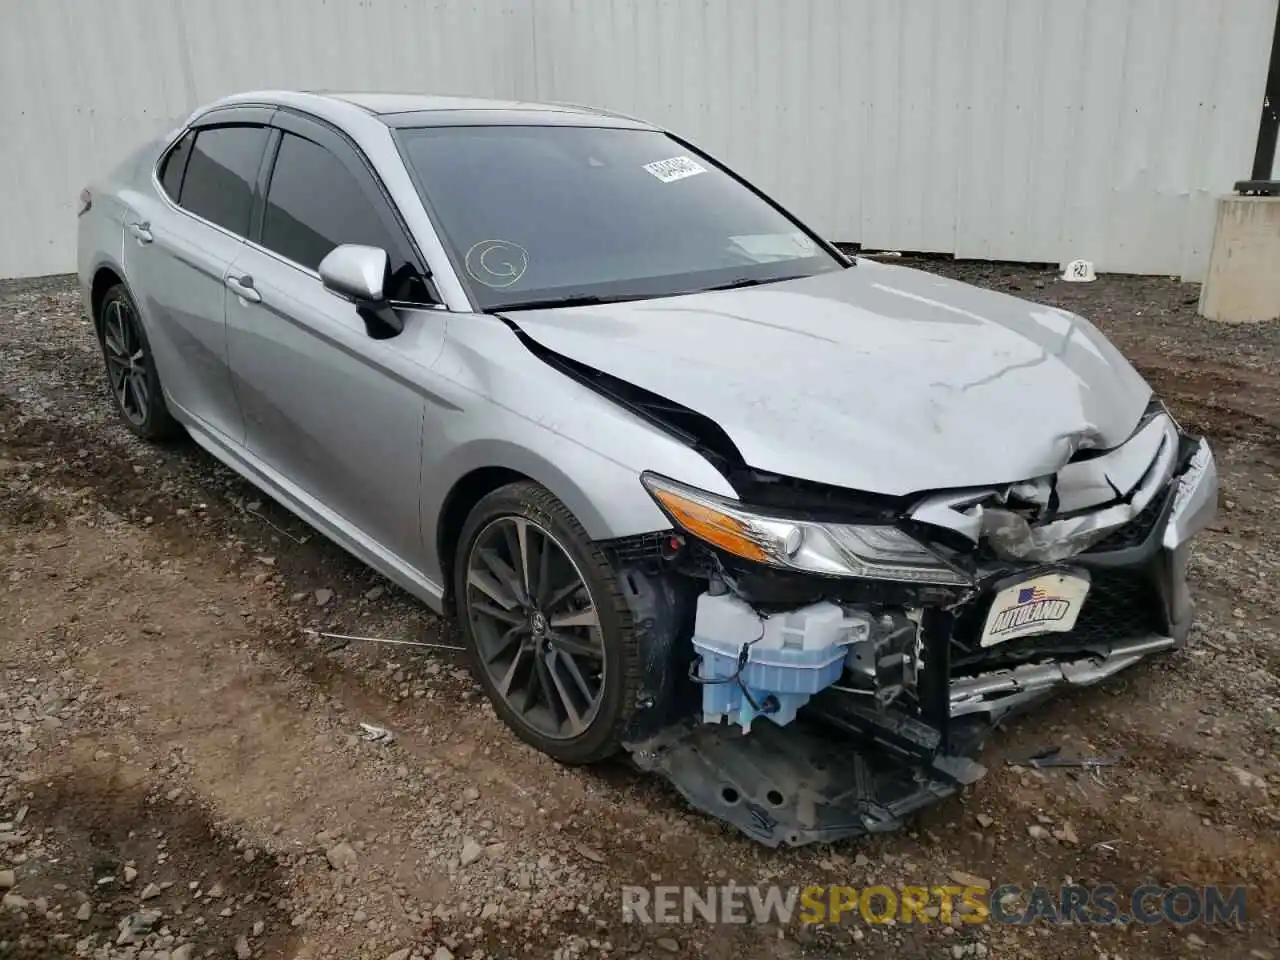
1243,282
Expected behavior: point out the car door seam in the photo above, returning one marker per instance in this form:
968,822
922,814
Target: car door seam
422,455
418,388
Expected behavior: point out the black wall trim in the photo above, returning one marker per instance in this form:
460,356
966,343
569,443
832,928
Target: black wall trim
1269,125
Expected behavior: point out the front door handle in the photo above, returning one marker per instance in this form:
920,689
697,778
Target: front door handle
244,289
141,232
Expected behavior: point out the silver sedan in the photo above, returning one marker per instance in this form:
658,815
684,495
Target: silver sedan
791,528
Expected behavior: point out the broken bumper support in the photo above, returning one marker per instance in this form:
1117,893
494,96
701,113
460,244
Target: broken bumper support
1000,691
794,785
845,771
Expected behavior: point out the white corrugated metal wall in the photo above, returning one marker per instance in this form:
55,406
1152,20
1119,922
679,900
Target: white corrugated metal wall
1006,129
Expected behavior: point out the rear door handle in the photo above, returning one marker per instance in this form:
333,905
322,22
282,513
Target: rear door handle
141,232
244,289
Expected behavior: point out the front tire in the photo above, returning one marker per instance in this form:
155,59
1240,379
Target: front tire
548,632
131,369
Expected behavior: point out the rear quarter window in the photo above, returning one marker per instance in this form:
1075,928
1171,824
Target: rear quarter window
174,164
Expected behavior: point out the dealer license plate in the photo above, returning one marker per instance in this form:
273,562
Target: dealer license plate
1049,603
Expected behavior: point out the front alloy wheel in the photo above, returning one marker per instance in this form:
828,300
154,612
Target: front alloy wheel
536,627
549,634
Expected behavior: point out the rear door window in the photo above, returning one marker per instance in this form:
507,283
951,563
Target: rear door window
221,174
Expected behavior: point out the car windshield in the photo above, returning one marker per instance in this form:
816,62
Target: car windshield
539,215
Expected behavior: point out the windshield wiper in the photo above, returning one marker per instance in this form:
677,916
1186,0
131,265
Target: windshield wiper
594,299
749,282
571,300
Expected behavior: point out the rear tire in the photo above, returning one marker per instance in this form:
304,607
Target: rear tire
131,369
561,663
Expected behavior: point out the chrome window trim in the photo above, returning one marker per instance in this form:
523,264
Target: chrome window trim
168,202
400,304
279,258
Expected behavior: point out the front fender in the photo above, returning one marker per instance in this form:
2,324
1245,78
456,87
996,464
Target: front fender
606,497
497,405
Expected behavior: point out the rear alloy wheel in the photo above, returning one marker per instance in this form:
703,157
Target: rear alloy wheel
549,634
131,371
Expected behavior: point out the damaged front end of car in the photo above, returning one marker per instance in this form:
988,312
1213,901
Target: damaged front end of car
821,663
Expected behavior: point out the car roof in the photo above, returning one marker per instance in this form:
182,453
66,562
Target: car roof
384,104
423,110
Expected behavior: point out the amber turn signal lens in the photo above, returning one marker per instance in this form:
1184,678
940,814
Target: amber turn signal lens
710,525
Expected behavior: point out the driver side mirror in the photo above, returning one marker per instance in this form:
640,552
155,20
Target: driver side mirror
358,273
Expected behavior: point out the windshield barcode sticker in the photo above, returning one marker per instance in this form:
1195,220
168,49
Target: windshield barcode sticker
677,168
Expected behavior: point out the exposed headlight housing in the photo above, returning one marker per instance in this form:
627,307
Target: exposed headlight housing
870,551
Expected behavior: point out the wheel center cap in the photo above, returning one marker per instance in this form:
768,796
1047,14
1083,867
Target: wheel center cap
538,623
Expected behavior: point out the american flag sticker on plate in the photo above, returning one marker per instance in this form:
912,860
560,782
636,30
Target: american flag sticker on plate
1046,604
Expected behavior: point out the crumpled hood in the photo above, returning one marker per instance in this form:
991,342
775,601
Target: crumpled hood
876,378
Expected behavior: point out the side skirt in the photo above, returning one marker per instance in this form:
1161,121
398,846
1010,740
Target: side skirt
312,511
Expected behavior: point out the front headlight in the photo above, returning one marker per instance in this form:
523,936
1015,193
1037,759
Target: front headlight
873,551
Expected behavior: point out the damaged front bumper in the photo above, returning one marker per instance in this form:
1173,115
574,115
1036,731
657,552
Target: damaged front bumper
902,725
1140,603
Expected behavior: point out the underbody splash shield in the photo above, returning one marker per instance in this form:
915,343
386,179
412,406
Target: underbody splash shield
848,773
793,785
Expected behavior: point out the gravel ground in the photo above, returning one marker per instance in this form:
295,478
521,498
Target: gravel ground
183,770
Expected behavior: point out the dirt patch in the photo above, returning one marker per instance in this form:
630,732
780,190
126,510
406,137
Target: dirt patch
111,850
